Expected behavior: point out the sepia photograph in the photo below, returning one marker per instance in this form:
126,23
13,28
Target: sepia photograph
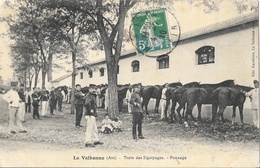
129,83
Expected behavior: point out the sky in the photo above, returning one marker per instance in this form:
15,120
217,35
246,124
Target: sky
188,16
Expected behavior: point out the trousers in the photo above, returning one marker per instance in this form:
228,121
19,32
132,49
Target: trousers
15,119
79,113
256,117
44,107
21,110
137,121
91,134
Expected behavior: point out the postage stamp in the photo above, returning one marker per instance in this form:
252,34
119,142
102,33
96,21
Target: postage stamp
154,32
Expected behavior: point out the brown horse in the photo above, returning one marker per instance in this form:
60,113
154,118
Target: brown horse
176,95
155,92
202,95
230,96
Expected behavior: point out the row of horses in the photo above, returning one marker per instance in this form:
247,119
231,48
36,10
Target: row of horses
219,95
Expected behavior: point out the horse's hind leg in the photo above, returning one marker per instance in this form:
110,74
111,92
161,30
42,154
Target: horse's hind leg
221,111
199,111
234,115
241,114
173,111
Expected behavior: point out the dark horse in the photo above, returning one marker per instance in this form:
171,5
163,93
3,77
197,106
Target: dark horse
202,95
122,89
148,92
63,88
176,95
230,96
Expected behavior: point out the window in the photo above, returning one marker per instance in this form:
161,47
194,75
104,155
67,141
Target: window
163,61
90,73
135,66
206,55
81,75
117,69
102,71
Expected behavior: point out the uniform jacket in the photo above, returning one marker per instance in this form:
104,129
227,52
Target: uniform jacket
79,97
28,97
12,97
136,102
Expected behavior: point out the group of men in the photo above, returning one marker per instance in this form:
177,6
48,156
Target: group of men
20,102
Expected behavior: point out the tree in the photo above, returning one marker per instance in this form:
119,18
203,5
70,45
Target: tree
72,25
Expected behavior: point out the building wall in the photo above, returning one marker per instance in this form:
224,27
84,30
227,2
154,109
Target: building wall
233,60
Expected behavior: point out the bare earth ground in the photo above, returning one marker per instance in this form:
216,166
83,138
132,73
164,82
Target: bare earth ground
54,141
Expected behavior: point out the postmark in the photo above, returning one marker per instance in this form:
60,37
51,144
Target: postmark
154,32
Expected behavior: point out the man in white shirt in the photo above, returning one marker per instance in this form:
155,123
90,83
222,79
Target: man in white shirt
163,101
254,94
128,98
12,97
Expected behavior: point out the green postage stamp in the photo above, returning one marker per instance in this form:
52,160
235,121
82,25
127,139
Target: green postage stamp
151,32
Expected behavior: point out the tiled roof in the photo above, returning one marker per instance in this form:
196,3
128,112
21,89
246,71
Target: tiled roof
61,78
246,18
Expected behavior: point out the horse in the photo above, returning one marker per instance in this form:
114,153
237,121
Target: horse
230,96
148,92
202,95
176,96
122,89
63,88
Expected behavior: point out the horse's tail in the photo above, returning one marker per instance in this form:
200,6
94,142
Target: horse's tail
215,94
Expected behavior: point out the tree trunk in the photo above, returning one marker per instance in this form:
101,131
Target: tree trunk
49,73
73,81
112,89
36,78
43,78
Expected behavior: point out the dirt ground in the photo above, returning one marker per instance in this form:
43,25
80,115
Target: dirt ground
55,141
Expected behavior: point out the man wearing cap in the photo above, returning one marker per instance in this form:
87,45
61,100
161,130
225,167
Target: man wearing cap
28,100
22,103
79,102
137,112
44,100
254,94
52,100
12,97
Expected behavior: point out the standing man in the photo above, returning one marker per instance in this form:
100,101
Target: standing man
52,100
28,99
254,94
44,100
106,99
12,97
35,103
128,98
79,102
22,103
59,99
137,111
163,101
91,135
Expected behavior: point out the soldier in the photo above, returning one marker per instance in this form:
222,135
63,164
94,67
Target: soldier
137,111
52,100
12,97
163,101
79,102
44,100
35,103
28,100
59,99
254,95
22,103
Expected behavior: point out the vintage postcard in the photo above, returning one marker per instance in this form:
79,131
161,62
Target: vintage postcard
127,83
